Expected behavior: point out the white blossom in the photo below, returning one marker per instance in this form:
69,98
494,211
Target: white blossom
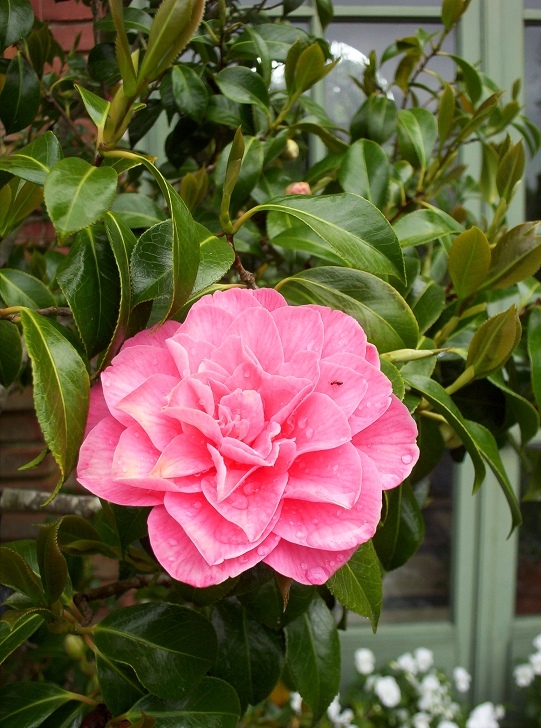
339,718
535,662
462,679
365,661
431,693
421,720
388,691
485,715
407,663
537,642
524,675
295,700
424,658
447,724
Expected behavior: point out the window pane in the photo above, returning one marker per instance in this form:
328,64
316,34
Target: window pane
532,84
532,4
353,41
399,3
528,592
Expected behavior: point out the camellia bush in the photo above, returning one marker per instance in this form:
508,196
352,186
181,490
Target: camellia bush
253,358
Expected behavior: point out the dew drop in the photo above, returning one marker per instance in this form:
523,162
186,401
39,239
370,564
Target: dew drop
197,504
339,513
124,469
406,459
247,374
300,535
339,557
261,551
244,558
188,514
303,565
302,422
292,523
309,432
332,563
136,434
107,382
317,575
335,468
201,402
172,542
171,558
193,351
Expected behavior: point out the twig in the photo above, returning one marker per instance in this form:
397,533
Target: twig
51,99
245,275
17,500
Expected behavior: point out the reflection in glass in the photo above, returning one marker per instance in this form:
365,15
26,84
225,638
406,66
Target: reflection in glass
528,589
532,85
353,41
402,3
532,4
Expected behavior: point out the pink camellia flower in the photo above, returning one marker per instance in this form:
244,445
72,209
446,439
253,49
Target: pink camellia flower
258,431
298,188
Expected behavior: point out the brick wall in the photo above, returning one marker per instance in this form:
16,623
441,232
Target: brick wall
67,20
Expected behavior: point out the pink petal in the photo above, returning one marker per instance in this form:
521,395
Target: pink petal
156,336
327,476
262,452
390,442
303,364
254,504
343,385
245,376
207,322
259,334
188,353
228,475
95,465
231,354
246,406
306,565
98,409
145,405
342,332
269,298
318,424
180,558
235,300
129,369
281,395
215,538
192,394
372,356
183,457
300,328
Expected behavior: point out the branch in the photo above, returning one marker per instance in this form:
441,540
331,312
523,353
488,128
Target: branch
17,500
245,275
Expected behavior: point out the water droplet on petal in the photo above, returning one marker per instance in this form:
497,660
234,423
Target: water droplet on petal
244,558
172,542
317,575
201,402
193,351
302,422
335,468
107,382
339,513
406,459
197,504
300,535
247,374
292,523
136,434
309,432
262,551
124,469
303,565
340,557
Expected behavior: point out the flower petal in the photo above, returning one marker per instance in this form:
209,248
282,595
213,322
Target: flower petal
98,409
269,298
318,424
390,442
343,385
183,456
180,558
342,332
153,337
306,565
95,464
300,328
259,334
303,364
281,395
206,322
327,476
188,353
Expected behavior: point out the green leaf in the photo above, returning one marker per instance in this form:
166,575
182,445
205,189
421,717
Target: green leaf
134,19
122,48
444,405
510,171
382,312
61,388
489,450
365,172
393,374
424,226
417,134
325,12
217,257
469,261
189,91
250,655
302,237
19,99
427,301
516,256
119,686
451,12
137,210
534,349
89,279
77,194
310,68
77,536
446,112
16,20
239,169
431,449
525,413
472,79
28,704
11,353
213,703
265,602
403,530
358,585
16,573
313,656
34,161
17,200
353,227
494,342
10,639
18,288
376,119
244,86
96,107
169,647
52,565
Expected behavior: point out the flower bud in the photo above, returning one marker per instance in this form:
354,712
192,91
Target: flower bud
291,151
298,188
75,647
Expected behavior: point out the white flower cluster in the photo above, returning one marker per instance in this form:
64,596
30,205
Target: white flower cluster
525,673
485,715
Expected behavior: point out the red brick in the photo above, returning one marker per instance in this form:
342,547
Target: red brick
71,10
65,34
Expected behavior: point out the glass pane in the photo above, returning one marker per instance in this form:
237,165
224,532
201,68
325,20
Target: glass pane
528,589
532,87
353,41
532,4
399,3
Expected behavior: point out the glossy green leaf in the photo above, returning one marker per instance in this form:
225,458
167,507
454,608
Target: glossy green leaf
381,311
69,715
534,349
302,237
189,91
353,227
472,79
34,161
489,449
77,194
28,704
265,602
334,144
431,448
122,48
451,10
427,301
510,171
365,172
76,535
393,374
494,342
217,257
61,388
325,12
19,98
424,226
358,586
279,38
310,68
403,530
96,107
16,573
444,405
516,256
446,112
137,210
11,352
134,19
18,288
212,703
89,280
244,86
16,20
10,639
376,119
52,565
250,655
313,656
119,686
469,261
417,134
17,200
239,175
169,647
526,415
